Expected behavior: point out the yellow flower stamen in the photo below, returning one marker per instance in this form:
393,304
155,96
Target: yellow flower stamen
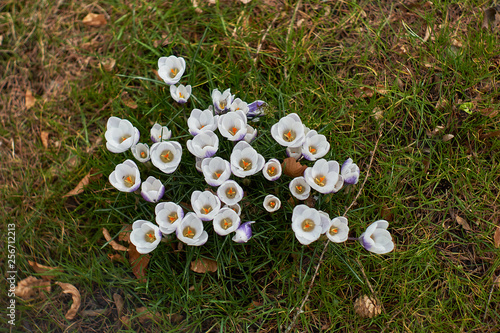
206,209
173,217
272,204
271,171
307,225
299,188
230,193
320,181
222,104
181,96
143,154
188,232
226,223
333,231
150,237
173,72
245,165
125,137
233,131
312,150
166,156
129,180
289,136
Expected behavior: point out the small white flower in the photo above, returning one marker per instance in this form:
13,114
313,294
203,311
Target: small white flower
323,176
307,224
251,134
295,152
245,161
299,188
337,230
168,216
145,236
170,69
126,177
272,203
166,155
140,152
226,221
272,169
190,230
215,170
181,93
238,104
120,135
152,189
256,109
233,125
236,207
221,101
325,221
315,146
376,238
160,133
200,121
205,205
244,232
204,144
230,192
350,172
289,131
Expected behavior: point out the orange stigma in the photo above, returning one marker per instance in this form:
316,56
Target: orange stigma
272,204
271,171
312,150
233,130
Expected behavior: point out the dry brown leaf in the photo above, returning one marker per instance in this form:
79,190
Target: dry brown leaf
378,114
145,314
497,237
124,235
79,188
29,100
119,303
196,8
489,17
463,223
41,269
204,265
387,214
77,299
93,313
175,318
94,20
310,202
45,139
138,262
489,112
116,257
128,101
490,134
125,320
112,242
108,64
448,137
428,31
293,168
32,287
435,131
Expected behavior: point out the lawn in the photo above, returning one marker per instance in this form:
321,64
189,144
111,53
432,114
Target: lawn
409,90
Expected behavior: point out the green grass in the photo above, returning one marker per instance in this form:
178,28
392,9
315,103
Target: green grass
438,278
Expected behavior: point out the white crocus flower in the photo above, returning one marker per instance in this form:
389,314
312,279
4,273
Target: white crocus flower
233,125
251,134
226,221
350,172
243,233
299,188
245,161
200,121
337,230
181,93
222,101
271,203
152,189
120,135
323,176
160,133
215,170
238,104
205,205
236,207
166,155
376,238
197,164
190,230
145,236
256,109
307,224
325,221
126,177
170,69
295,152
272,169
141,152
230,192
204,144
168,216
315,146
289,131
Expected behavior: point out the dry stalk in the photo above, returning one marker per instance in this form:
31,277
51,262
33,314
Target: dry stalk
304,300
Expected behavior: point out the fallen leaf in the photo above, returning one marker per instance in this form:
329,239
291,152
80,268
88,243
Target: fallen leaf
196,8
108,64
116,257
71,289
378,114
489,112
497,237
427,34
124,235
93,313
435,131
293,168
204,265
463,223
112,242
125,320
489,17
32,287
45,139
448,137
41,269
29,100
144,314
119,303
490,134
79,188
138,262
94,20
387,214
175,318
310,202
128,101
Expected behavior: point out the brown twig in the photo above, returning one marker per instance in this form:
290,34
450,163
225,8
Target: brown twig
304,300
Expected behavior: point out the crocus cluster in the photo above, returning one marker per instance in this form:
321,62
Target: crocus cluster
228,118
